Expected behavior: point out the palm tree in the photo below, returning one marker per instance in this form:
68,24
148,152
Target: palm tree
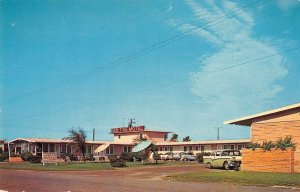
186,139
78,136
174,138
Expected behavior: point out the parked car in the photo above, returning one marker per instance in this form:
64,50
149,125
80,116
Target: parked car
165,156
226,159
184,156
170,156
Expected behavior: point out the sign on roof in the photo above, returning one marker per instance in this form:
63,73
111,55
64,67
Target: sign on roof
128,129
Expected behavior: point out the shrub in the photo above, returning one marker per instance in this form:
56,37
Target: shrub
139,156
200,158
116,162
89,157
127,156
268,145
70,155
35,159
285,143
253,146
201,155
4,156
26,156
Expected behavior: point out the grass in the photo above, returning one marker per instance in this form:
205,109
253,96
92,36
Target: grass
58,167
242,178
79,166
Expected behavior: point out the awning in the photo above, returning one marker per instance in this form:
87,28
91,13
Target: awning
141,146
101,148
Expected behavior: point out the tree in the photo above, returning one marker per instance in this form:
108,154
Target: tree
78,137
186,139
174,138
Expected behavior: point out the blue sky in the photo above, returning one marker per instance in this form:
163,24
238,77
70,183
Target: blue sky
61,68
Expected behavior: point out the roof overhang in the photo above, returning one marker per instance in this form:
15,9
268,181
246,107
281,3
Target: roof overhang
247,120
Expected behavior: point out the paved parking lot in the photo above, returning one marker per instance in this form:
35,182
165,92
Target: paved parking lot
127,179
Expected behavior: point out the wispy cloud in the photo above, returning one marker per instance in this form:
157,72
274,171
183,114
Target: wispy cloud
240,90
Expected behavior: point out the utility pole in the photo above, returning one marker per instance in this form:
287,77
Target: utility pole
93,134
218,133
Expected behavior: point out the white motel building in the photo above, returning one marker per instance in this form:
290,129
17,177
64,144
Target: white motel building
124,140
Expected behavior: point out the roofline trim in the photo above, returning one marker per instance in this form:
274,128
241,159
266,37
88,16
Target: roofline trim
249,117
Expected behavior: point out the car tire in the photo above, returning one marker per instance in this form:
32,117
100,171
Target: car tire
208,165
226,165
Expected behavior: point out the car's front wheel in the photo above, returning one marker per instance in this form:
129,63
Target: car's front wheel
226,165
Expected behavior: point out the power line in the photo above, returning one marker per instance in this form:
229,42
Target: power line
166,84
138,54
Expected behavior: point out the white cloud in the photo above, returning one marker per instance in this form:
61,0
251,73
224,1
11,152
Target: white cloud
285,5
240,90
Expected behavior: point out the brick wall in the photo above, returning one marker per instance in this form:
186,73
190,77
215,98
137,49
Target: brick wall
272,131
269,161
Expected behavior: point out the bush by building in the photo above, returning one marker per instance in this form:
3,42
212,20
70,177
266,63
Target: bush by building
4,156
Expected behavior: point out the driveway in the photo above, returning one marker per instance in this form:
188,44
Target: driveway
146,179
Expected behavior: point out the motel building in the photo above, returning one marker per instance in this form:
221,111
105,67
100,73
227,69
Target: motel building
272,126
124,139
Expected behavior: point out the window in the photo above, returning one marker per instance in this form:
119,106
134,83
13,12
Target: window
69,149
202,148
161,148
166,148
45,147
232,146
197,148
126,149
110,150
89,149
239,147
171,149
52,147
190,148
219,147
185,148
225,146
63,148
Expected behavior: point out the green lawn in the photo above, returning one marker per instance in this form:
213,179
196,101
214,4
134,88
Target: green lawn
243,178
80,166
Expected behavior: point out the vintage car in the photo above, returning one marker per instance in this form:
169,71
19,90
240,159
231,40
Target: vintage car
185,156
227,159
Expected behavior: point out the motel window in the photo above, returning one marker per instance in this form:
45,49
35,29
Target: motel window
225,146
68,148
171,149
161,148
166,148
239,147
219,147
165,137
185,148
126,149
202,148
110,150
190,148
197,148
232,146
52,147
45,147
89,149
63,148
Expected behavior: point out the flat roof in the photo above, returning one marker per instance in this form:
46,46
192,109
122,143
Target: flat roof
46,140
169,143
247,120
